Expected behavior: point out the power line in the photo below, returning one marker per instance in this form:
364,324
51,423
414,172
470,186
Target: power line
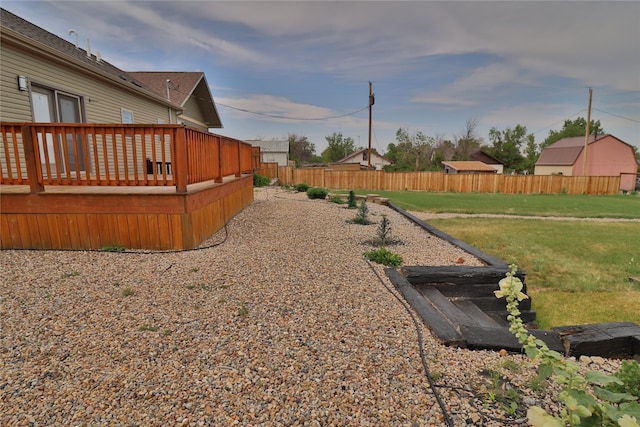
292,118
557,123
617,115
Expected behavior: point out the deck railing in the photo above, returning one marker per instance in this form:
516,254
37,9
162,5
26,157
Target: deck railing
39,154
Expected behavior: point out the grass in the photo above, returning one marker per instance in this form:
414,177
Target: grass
577,271
614,206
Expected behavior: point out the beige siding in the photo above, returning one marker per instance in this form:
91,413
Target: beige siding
192,115
103,100
553,170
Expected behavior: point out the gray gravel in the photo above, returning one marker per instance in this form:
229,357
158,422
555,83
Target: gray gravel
284,323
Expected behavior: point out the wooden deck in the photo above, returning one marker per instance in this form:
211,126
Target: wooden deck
63,217
89,186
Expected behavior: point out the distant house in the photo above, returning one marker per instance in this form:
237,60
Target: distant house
361,157
189,90
606,155
488,159
468,167
275,151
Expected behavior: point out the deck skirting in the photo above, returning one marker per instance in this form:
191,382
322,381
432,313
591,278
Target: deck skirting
156,221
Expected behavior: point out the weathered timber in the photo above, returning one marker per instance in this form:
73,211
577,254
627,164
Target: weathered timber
458,274
434,320
614,339
480,318
450,311
478,337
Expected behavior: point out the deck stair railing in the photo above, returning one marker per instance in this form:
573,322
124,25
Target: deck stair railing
39,154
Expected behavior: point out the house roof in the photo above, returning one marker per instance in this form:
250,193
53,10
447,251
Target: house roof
565,151
274,146
354,154
483,156
40,40
470,166
178,87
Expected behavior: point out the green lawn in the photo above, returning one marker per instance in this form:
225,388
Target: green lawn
577,271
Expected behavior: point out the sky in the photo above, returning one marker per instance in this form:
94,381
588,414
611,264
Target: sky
276,68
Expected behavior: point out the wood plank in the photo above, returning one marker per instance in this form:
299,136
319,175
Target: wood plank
434,320
441,303
458,274
84,232
478,337
23,226
479,316
72,227
95,232
43,229
133,230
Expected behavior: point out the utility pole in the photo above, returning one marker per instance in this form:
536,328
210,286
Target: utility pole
372,100
586,136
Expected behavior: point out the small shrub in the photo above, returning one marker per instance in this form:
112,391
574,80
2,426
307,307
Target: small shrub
300,188
145,328
362,217
243,311
260,181
384,231
317,193
127,292
71,274
114,248
351,201
384,256
336,199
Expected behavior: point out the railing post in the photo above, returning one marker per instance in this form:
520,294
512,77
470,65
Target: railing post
181,167
33,171
218,178
239,157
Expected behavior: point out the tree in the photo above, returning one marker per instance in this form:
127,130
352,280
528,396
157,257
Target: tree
506,146
412,151
577,127
467,142
338,148
531,154
300,149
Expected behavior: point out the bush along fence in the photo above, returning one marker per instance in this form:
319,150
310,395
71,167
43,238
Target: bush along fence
439,181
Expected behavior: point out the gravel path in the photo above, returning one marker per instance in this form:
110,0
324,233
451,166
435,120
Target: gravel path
283,323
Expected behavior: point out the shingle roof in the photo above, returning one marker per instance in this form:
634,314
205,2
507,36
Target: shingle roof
565,151
270,146
64,49
182,85
471,165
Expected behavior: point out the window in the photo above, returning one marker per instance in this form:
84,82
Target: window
127,116
54,106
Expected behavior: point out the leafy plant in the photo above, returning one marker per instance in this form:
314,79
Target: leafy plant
243,311
71,274
384,256
301,187
587,400
336,199
260,180
126,292
351,200
317,193
145,328
113,248
362,217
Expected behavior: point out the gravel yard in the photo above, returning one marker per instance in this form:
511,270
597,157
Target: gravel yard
279,321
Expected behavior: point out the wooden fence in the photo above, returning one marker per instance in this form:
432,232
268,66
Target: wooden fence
439,181
39,154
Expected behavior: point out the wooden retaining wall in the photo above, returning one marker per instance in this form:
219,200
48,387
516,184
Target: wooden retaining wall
93,218
439,181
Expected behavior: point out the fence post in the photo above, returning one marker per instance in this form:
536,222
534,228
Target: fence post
239,159
33,171
218,178
181,167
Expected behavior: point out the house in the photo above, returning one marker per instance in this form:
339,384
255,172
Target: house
189,90
486,158
605,155
275,151
361,157
468,167
92,156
